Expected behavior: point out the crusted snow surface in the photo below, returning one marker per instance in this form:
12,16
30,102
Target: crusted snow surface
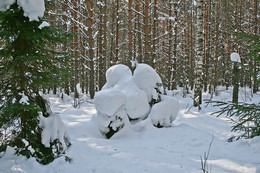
143,148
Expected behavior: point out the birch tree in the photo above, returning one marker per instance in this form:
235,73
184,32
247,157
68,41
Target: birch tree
199,56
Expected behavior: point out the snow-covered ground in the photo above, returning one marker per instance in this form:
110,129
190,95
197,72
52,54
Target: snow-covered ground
143,148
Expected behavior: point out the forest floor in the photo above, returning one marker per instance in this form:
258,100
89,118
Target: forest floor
142,148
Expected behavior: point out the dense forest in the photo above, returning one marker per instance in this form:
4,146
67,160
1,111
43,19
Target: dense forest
185,41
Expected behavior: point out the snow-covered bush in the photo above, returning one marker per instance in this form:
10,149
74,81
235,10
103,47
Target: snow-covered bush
53,128
164,112
129,98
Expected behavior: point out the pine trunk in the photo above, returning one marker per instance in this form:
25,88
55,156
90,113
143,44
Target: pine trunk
91,48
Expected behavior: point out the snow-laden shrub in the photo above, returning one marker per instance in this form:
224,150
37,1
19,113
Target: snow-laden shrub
164,112
148,80
116,73
126,97
52,129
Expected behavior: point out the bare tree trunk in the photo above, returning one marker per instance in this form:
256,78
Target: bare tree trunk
199,56
175,35
146,34
216,72
191,50
139,38
101,59
255,83
91,50
169,62
117,31
154,45
75,49
130,35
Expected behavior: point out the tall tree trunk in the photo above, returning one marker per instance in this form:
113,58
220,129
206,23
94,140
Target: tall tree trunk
117,32
199,56
216,72
75,49
191,49
154,45
130,35
175,35
139,38
169,62
146,34
91,48
255,83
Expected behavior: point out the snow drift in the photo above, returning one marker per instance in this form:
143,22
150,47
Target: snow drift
131,98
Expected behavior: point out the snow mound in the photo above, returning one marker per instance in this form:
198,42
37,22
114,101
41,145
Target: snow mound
147,80
164,112
128,98
137,105
115,73
53,128
5,4
108,101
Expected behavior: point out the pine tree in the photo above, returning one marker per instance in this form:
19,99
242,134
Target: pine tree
27,64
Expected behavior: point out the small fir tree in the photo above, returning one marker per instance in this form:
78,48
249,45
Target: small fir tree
27,64
244,116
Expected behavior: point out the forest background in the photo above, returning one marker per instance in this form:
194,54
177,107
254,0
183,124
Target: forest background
163,34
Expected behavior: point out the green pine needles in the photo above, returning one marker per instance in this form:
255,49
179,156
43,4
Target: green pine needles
29,62
244,116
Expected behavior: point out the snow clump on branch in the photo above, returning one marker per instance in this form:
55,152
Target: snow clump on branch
33,9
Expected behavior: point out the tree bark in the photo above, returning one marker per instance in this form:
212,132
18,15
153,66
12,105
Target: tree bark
91,50
146,34
130,35
199,56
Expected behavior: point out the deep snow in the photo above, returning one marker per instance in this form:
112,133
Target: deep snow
143,148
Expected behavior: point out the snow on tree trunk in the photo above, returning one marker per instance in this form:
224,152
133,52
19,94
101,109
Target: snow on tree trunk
199,55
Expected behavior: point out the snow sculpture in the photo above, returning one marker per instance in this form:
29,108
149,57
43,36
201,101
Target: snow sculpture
129,98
